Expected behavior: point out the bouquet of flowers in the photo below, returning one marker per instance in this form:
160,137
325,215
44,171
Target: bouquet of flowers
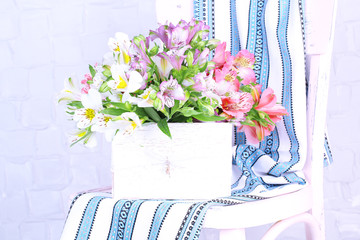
165,77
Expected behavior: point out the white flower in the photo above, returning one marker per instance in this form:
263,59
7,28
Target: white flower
71,90
88,138
163,65
92,103
97,80
102,123
108,59
145,100
120,45
123,83
126,123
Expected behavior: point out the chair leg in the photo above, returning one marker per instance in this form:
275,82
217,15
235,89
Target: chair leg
231,234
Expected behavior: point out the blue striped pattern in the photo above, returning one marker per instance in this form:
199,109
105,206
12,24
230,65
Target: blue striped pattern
159,218
235,39
88,218
284,8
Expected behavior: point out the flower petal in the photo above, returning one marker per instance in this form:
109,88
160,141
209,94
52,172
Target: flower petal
92,100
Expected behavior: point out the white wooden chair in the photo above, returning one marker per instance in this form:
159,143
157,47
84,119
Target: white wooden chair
306,204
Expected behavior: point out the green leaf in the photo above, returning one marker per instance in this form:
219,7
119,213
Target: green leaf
123,106
113,111
162,124
92,71
140,112
152,114
204,66
205,107
175,108
76,104
70,113
207,118
246,88
188,111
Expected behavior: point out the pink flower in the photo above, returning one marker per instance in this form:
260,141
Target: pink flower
221,55
226,79
244,62
244,59
169,91
255,134
237,106
268,105
86,87
247,75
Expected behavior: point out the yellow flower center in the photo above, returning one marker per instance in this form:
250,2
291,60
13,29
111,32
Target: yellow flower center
133,124
229,78
122,84
89,114
145,96
126,57
107,119
117,49
243,62
81,134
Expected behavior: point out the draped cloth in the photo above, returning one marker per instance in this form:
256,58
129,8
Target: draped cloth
274,32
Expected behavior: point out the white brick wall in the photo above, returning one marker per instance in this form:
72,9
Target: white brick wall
43,41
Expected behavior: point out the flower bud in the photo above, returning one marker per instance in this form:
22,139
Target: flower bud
157,104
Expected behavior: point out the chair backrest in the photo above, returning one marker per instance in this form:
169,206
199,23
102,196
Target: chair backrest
319,44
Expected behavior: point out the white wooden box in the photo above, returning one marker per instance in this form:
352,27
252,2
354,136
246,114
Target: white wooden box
194,164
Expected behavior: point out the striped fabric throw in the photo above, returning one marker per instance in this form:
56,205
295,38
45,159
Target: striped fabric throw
97,216
274,32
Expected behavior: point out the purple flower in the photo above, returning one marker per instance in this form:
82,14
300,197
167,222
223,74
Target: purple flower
180,35
169,92
176,58
201,57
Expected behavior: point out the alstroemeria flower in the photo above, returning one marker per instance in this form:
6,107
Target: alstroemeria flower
102,123
163,65
255,134
86,85
226,80
237,105
247,75
125,81
178,38
169,92
244,59
88,138
120,45
176,58
255,92
268,105
71,91
126,123
145,100
98,80
222,56
92,103
201,57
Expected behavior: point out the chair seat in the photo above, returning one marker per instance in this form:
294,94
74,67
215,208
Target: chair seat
259,212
